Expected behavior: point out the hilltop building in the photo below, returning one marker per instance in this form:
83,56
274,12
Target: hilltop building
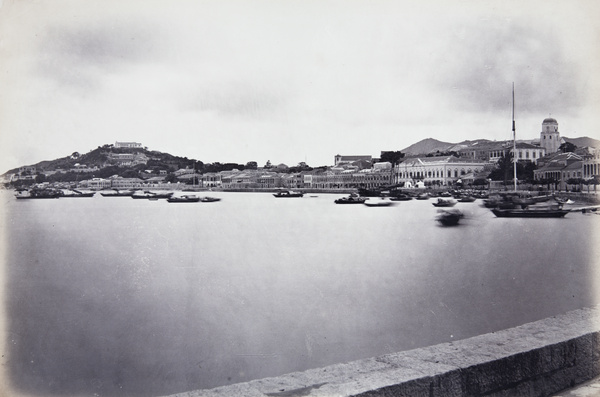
128,145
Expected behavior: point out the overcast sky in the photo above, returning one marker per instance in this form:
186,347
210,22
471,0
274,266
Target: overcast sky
290,81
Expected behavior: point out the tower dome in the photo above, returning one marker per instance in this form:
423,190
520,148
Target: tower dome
549,120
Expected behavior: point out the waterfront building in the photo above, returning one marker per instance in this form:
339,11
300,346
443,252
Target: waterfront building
591,164
211,179
444,171
559,168
96,183
550,136
126,183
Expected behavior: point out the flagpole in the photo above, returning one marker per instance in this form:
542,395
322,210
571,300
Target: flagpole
514,139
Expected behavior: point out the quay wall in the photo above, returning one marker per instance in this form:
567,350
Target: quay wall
536,359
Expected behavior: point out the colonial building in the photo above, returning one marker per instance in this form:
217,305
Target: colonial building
486,151
128,159
591,164
339,159
436,170
559,168
529,152
129,145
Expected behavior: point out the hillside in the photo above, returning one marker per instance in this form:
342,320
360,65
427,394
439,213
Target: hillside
583,141
427,146
431,145
100,158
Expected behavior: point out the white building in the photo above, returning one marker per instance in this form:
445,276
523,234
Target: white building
436,170
130,145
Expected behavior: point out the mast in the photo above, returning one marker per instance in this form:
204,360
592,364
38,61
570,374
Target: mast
514,140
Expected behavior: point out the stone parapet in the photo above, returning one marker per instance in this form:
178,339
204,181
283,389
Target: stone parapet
535,359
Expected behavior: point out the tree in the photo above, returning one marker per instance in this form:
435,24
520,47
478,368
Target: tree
567,147
130,173
392,157
171,178
251,165
503,169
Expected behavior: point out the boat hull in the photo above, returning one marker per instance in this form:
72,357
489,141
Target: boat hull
528,213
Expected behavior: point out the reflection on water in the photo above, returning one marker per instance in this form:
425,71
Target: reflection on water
115,296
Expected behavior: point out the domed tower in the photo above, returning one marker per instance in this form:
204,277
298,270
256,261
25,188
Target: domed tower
550,137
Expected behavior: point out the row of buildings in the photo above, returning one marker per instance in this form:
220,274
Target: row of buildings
467,164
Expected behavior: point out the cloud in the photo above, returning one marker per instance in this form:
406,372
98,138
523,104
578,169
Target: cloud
79,56
487,56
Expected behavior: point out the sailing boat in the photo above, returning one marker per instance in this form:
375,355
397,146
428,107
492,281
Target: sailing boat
554,210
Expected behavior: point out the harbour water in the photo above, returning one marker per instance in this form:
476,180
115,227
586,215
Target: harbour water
114,296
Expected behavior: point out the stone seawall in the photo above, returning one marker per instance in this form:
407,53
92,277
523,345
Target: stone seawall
535,359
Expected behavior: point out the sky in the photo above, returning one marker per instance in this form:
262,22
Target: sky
290,81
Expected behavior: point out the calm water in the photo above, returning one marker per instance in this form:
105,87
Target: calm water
114,296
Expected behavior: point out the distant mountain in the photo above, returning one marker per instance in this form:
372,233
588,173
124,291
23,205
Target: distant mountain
425,146
430,145
583,142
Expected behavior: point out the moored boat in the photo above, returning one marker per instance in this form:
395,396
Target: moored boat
378,202
76,193
117,193
449,217
444,202
401,197
37,193
288,193
466,199
209,199
186,198
151,195
545,211
351,199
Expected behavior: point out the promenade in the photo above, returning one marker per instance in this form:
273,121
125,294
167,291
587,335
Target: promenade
542,358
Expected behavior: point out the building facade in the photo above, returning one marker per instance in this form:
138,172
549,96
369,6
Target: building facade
591,165
443,171
559,169
129,145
